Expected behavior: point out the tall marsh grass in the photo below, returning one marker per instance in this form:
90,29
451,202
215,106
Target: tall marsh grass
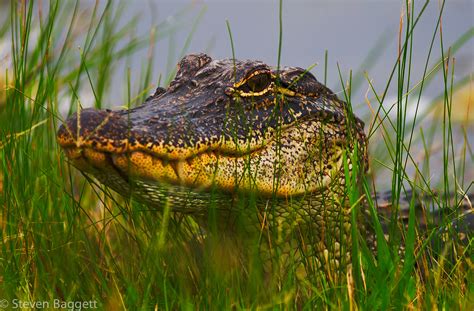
63,236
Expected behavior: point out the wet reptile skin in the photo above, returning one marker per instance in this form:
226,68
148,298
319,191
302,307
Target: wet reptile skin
224,132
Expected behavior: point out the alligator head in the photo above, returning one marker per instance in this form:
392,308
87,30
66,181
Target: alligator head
227,124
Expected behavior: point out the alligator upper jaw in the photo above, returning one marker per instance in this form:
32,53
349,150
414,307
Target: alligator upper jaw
170,135
108,132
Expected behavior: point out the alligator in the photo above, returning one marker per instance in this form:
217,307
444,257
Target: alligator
271,148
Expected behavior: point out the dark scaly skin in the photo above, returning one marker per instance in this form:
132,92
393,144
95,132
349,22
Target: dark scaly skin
223,131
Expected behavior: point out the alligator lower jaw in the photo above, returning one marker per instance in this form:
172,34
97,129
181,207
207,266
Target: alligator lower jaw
133,165
200,173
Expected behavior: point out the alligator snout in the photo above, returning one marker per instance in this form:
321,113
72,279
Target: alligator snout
103,130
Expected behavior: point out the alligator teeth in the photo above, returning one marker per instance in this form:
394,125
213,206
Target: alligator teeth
178,168
73,153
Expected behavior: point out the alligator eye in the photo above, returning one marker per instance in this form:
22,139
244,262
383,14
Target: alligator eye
258,82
